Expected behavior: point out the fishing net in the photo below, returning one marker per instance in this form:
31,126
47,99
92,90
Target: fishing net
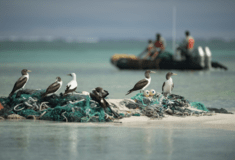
157,105
80,108
71,108
199,105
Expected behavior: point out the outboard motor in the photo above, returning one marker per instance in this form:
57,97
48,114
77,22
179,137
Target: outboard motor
207,58
199,56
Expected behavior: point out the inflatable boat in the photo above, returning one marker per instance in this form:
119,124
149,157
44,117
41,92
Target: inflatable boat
200,60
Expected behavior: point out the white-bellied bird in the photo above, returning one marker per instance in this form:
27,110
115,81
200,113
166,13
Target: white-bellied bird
142,84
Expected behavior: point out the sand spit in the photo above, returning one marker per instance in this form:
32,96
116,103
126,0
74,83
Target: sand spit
217,121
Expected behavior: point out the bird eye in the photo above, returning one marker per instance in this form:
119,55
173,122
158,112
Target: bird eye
153,92
146,92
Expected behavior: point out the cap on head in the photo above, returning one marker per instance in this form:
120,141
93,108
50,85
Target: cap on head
187,33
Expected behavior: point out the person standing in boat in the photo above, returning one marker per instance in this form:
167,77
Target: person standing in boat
187,46
150,50
160,45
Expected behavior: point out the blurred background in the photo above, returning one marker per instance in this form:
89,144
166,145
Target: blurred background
54,38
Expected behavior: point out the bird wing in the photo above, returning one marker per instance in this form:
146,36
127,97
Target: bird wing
163,86
72,84
67,88
53,87
139,85
20,83
172,86
94,96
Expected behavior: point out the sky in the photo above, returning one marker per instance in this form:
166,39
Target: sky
122,19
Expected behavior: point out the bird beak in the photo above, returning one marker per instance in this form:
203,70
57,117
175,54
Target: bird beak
152,72
29,71
174,74
69,74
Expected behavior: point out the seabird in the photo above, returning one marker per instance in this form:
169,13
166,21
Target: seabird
21,82
146,93
53,88
168,85
152,93
98,95
142,84
72,85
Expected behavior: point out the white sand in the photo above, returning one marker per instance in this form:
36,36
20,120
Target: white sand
217,121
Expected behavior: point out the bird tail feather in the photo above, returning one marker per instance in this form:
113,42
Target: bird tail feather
11,94
129,92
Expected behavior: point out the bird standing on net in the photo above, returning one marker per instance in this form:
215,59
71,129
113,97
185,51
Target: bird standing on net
21,82
98,95
168,85
53,88
72,85
142,84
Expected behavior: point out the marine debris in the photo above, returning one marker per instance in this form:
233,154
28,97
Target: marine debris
80,108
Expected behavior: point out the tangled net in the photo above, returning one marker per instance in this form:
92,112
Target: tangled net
80,108
71,108
157,106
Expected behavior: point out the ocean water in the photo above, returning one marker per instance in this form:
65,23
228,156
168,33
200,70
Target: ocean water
91,62
38,140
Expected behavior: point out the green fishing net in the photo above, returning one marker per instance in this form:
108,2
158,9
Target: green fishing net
80,108
199,105
71,108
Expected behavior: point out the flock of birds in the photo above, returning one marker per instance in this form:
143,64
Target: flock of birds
167,86
98,94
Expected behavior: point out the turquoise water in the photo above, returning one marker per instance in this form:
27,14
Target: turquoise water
91,62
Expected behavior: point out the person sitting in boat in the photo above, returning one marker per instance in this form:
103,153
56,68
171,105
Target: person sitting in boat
187,46
160,45
150,50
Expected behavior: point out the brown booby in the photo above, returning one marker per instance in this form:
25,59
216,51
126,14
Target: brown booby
168,85
98,95
53,88
21,82
72,85
142,84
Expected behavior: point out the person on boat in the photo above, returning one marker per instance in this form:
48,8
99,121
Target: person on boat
187,46
149,50
160,45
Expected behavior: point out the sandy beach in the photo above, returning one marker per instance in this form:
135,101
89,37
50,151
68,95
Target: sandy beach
217,121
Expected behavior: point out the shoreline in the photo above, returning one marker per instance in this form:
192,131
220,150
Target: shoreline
217,121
